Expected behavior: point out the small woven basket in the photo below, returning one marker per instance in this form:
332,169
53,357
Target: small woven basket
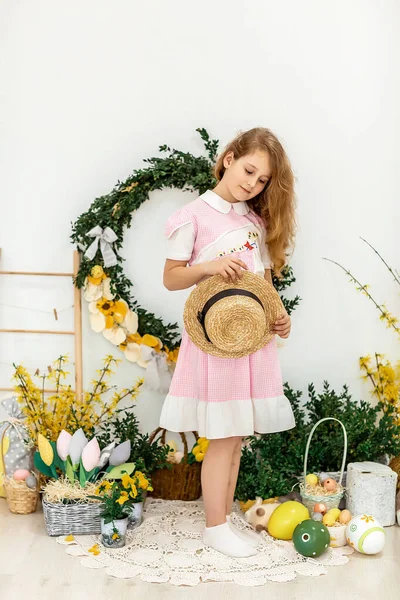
21,500
81,518
330,500
338,536
182,481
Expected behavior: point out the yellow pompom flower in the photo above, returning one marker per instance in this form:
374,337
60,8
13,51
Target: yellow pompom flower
96,275
45,450
196,450
199,456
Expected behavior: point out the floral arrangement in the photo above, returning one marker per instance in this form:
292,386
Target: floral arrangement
196,454
98,234
385,377
63,410
76,458
118,496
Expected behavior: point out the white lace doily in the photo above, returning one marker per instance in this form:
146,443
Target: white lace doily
168,547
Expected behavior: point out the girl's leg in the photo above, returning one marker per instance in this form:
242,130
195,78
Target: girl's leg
215,476
250,537
233,475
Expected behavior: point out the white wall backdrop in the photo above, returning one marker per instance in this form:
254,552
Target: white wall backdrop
91,88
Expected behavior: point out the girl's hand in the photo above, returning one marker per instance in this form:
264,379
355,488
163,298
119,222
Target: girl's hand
229,267
282,326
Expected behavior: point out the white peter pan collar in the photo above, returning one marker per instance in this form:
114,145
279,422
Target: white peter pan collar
223,206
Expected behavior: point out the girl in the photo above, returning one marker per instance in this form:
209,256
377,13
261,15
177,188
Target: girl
245,222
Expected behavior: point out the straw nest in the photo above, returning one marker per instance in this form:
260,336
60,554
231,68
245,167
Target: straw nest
62,491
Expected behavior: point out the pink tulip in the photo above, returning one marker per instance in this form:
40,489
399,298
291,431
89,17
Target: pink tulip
91,454
63,442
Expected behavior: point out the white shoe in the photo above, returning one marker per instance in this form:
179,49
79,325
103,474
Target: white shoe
249,537
223,539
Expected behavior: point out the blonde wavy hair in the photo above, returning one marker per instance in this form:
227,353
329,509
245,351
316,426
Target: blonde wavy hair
276,203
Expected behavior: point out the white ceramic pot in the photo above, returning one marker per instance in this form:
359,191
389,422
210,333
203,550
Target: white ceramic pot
136,515
113,535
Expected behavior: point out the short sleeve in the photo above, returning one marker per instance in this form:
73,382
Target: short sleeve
265,256
180,242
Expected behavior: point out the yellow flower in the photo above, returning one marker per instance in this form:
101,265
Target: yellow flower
133,493
69,538
199,456
104,486
115,536
134,338
94,549
97,271
196,449
119,311
152,342
365,361
126,480
96,275
105,306
123,498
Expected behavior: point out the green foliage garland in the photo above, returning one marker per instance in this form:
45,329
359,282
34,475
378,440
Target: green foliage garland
179,170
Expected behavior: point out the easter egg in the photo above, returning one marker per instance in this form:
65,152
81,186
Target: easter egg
21,474
285,519
365,534
312,479
311,538
330,485
31,482
344,517
320,507
329,520
335,512
316,516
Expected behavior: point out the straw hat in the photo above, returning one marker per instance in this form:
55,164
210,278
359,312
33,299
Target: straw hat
231,320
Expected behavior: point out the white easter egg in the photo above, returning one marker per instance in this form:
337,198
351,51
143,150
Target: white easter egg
365,534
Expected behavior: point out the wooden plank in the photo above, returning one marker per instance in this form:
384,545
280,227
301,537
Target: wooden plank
47,331
78,331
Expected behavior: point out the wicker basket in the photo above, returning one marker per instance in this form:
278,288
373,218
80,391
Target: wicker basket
338,536
183,481
78,519
21,500
331,500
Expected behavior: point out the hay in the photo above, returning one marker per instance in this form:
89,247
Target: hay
62,491
319,490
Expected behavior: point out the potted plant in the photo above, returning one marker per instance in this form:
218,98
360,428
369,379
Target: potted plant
122,501
140,484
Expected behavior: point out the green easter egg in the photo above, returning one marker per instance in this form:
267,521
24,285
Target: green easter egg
311,538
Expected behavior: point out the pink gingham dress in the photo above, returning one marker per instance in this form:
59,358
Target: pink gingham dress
223,397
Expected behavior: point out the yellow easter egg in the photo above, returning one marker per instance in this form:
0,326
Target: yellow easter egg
312,479
285,519
328,520
335,512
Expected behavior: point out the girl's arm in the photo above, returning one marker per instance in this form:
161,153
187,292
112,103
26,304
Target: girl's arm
283,324
177,276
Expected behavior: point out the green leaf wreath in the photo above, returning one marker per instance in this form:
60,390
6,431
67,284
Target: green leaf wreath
114,306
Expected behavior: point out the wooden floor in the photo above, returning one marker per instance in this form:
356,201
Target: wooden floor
33,566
